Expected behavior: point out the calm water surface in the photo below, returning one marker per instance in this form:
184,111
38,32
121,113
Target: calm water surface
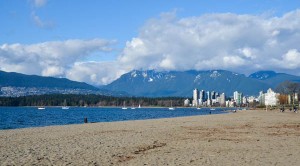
24,117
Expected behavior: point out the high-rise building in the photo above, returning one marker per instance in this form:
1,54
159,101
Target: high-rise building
244,100
208,102
235,95
208,95
238,98
195,97
222,100
202,95
213,95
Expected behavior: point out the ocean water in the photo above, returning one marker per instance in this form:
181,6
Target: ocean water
24,117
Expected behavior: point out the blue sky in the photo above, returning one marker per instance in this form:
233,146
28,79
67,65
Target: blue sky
111,19
102,39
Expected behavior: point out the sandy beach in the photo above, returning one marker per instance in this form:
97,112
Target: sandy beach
242,138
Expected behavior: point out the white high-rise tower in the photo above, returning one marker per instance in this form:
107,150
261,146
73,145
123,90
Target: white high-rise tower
195,97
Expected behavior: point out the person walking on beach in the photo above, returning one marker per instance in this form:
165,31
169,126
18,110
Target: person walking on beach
295,109
282,109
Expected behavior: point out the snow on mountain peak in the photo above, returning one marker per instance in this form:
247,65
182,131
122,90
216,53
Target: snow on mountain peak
262,76
133,74
169,76
215,74
150,80
145,74
198,77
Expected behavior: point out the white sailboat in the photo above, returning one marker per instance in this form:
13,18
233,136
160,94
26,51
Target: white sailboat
124,106
133,108
41,108
171,108
139,106
65,107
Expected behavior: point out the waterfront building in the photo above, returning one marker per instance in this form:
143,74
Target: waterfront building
213,95
208,102
238,98
195,97
186,102
222,100
208,95
244,100
202,95
271,98
207,98
200,102
261,98
227,103
251,99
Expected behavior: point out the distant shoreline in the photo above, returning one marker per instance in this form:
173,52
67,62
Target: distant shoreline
127,107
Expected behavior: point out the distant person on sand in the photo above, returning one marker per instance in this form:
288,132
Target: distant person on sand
295,109
282,109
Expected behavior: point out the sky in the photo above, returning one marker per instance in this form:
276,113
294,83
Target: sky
96,41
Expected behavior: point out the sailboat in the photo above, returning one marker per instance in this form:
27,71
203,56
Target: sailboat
124,106
171,108
133,108
139,106
41,108
65,107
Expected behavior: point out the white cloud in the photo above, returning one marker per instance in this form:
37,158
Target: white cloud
290,60
39,3
242,43
36,18
42,24
56,58
95,72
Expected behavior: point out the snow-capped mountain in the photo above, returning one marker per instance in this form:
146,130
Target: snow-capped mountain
181,83
263,75
272,78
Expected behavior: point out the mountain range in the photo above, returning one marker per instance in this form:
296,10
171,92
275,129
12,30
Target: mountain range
22,80
21,84
153,83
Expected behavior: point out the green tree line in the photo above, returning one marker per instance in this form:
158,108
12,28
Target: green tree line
89,100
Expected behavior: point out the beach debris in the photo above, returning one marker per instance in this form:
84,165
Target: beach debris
124,158
156,144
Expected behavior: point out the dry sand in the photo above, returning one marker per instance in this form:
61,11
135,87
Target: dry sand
242,138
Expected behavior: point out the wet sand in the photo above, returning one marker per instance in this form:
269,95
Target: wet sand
242,138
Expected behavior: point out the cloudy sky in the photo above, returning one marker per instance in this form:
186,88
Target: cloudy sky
96,41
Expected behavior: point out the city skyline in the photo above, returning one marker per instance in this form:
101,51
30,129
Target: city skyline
97,42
